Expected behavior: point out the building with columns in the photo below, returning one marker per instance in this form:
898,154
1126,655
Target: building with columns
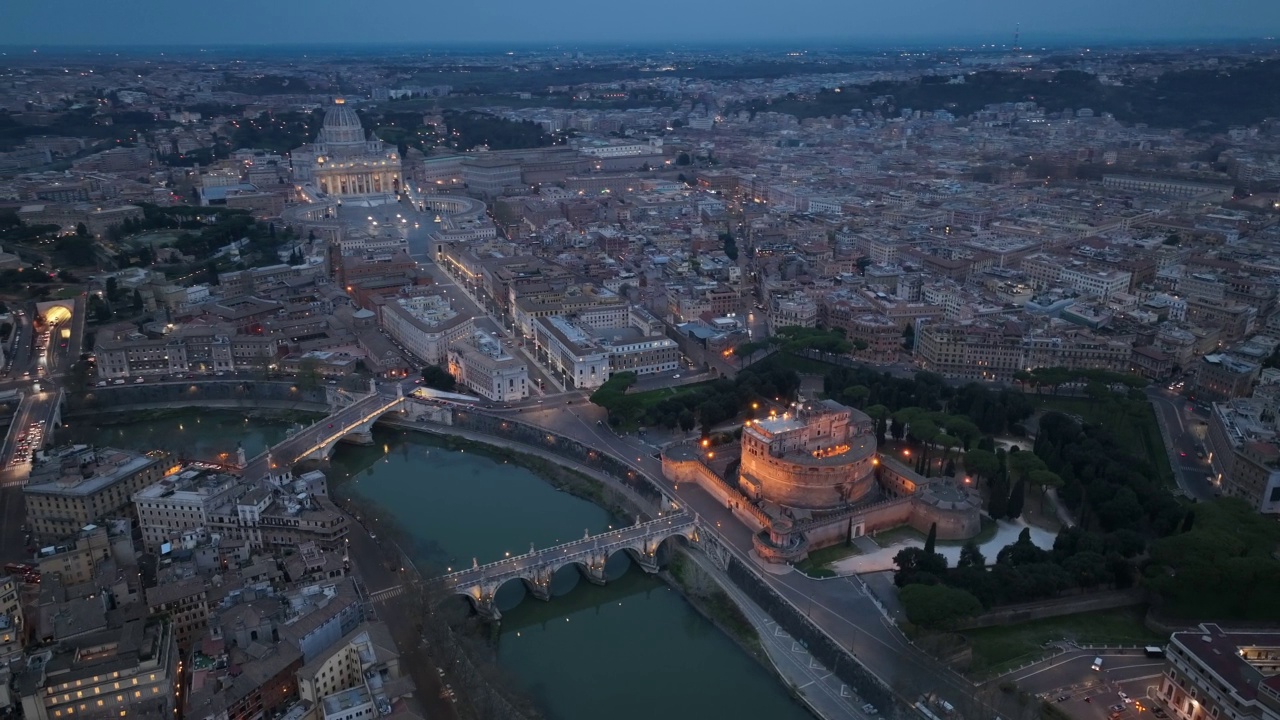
343,162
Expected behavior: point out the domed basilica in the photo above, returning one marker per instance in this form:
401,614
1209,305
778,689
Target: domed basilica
344,163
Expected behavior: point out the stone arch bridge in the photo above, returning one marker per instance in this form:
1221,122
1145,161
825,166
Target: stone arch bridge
641,541
352,419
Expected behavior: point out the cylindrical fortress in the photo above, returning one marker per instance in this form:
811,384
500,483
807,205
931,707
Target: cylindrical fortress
821,457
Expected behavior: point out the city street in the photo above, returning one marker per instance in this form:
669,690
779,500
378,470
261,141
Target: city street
1187,429
1069,680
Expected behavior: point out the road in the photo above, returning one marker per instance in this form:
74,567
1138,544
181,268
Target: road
37,407
371,569
1089,693
1183,422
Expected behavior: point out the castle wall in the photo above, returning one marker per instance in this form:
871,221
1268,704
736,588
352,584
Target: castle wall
958,523
693,471
809,486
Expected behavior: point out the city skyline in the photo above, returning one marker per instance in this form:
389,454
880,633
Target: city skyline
80,23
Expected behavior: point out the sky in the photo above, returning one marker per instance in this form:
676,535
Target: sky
96,23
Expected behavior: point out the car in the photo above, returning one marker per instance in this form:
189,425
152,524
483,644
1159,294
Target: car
1159,712
1116,708
1063,698
1125,697
139,381
118,381
102,383
676,376
330,426
1115,716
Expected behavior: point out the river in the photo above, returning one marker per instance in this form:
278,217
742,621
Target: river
634,646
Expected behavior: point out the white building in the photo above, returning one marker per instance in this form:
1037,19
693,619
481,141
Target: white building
424,326
1100,283
482,365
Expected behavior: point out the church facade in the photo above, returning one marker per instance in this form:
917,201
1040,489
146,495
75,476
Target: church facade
343,162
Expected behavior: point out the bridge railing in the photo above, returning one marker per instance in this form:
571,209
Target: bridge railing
615,539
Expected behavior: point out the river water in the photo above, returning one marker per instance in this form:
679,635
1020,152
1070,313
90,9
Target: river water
631,649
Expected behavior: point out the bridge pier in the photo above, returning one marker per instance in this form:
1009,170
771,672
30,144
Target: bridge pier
647,557
540,583
593,567
486,608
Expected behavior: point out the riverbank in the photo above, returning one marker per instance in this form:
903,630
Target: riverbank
290,414
711,595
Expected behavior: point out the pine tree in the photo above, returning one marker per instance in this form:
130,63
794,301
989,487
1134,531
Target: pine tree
932,541
998,498
1016,499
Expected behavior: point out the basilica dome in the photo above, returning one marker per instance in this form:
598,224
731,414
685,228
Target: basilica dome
341,125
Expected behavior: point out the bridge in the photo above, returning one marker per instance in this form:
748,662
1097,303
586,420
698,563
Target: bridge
641,542
352,422
42,409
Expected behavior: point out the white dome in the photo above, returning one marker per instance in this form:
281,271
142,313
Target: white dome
341,126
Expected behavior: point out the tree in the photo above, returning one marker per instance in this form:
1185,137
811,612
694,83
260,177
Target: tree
308,373
1045,479
211,272
1088,569
99,309
997,496
1189,521
82,230
981,463
1016,499
971,556
434,376
937,607
137,300
931,542
113,289
917,566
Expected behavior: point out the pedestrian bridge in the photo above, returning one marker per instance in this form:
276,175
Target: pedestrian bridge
641,542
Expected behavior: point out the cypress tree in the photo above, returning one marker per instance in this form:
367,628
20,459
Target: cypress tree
931,542
1016,499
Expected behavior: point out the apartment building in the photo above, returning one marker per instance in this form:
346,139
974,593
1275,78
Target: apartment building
1244,453
995,351
183,501
1165,186
77,485
126,669
184,602
364,659
1212,673
1220,376
197,349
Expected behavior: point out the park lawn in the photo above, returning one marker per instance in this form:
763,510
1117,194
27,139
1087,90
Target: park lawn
902,533
802,365
1144,433
650,398
1002,648
816,565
